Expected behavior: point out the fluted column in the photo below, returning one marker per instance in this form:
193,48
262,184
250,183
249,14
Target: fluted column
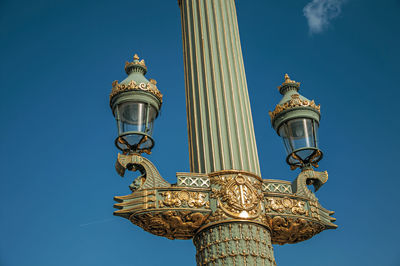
220,124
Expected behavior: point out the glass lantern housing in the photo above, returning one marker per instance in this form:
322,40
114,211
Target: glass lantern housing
300,137
135,126
135,103
296,120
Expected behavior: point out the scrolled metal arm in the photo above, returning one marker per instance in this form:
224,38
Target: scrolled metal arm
309,177
150,177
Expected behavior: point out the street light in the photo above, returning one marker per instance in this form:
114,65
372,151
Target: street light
223,202
296,120
135,103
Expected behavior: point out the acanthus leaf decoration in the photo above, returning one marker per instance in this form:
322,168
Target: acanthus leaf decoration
294,102
185,198
132,86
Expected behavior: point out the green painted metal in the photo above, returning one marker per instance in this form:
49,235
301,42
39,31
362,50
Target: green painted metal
139,96
220,124
136,73
288,90
135,88
234,244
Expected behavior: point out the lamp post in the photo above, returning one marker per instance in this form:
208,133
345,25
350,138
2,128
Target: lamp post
233,215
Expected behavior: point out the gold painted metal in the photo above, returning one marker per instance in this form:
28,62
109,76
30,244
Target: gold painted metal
292,229
172,224
135,62
184,198
132,86
288,81
198,202
238,196
286,205
213,220
227,172
313,160
294,102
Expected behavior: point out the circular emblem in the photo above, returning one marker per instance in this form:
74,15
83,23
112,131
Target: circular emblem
183,195
240,199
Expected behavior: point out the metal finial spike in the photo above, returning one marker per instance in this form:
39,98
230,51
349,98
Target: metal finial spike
135,57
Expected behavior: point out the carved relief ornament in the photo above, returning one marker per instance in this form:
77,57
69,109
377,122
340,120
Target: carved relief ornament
292,229
294,102
237,196
184,198
132,86
285,205
170,224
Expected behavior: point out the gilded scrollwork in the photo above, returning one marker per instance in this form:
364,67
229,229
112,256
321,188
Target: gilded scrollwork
217,216
184,198
314,210
292,230
285,205
170,224
237,195
295,101
132,85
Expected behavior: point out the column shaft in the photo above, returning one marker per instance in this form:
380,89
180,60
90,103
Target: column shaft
220,124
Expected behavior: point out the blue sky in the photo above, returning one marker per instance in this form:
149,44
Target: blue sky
59,58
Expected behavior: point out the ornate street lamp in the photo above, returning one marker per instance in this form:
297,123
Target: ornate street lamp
135,103
296,120
232,214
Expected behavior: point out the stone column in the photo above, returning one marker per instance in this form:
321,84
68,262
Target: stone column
220,124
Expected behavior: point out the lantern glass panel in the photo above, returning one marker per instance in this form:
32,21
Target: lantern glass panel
132,117
300,133
135,121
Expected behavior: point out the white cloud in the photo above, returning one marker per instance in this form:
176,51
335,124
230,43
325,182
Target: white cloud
320,12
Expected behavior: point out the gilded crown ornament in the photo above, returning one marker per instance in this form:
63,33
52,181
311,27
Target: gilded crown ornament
137,68
288,81
294,102
135,62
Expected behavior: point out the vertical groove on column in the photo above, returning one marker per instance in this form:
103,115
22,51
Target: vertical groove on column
242,131
221,88
231,85
245,90
201,107
220,127
197,164
188,110
220,149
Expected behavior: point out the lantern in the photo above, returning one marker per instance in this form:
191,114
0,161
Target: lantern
296,120
135,103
